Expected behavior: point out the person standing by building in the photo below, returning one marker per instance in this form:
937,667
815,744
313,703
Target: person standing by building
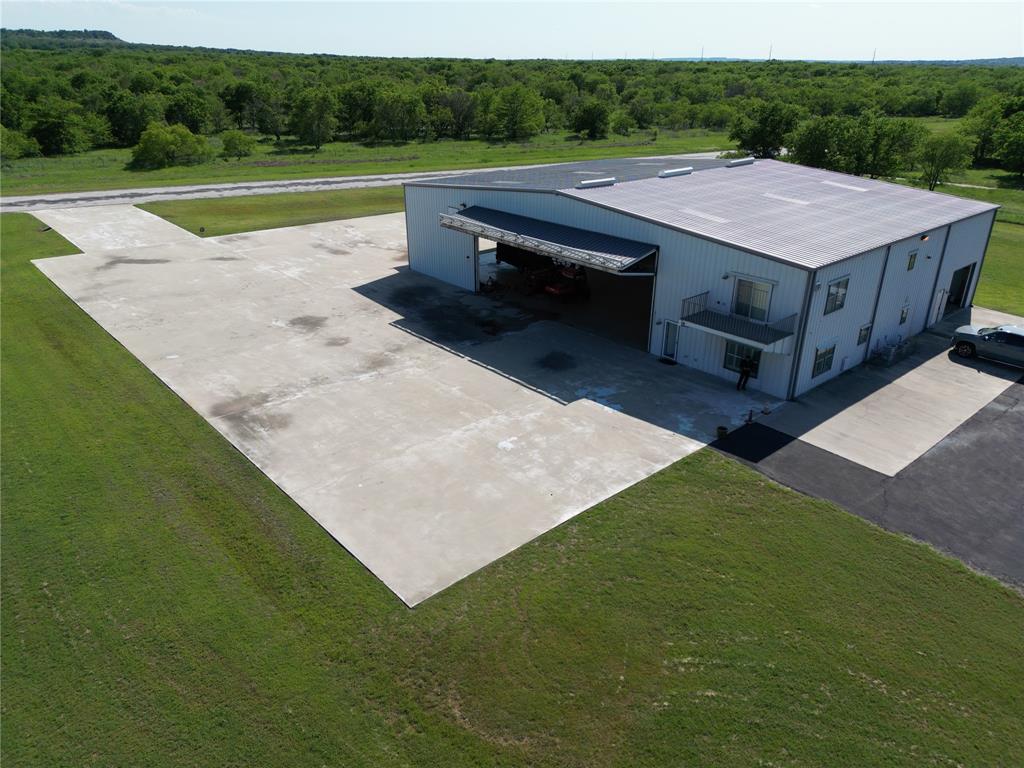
746,368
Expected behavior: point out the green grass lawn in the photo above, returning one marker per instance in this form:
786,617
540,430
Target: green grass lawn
164,604
1002,277
105,169
228,215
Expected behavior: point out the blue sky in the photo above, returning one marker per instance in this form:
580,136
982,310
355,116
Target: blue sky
817,30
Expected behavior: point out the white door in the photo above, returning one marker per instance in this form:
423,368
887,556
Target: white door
671,340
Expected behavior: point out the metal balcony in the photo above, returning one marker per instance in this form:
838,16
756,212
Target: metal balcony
774,337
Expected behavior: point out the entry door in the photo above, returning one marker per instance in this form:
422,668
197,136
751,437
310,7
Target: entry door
671,339
958,288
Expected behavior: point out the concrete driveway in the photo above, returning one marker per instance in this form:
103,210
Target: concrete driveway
886,418
428,430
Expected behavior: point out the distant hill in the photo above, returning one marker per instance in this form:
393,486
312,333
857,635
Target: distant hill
60,38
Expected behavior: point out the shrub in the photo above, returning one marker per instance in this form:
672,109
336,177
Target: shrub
622,123
164,145
237,144
14,144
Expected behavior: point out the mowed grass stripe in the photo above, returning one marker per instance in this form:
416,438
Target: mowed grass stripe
165,604
230,215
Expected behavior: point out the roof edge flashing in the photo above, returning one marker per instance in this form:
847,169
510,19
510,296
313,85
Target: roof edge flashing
591,183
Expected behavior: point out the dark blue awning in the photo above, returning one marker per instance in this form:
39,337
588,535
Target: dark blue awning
580,246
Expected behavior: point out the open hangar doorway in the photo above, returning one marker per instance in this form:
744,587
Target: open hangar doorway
588,280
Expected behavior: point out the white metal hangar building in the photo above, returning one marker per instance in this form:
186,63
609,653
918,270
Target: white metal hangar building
805,271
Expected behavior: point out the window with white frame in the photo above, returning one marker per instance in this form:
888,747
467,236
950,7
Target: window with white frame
823,360
734,354
836,298
864,334
911,260
752,299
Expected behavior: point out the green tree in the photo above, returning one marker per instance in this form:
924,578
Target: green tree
816,143
189,108
763,131
58,128
399,115
357,102
1009,142
642,109
271,114
621,123
592,118
129,115
161,146
519,112
237,144
981,124
958,100
242,101
313,118
941,154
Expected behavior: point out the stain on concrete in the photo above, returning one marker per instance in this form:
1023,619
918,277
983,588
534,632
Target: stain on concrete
377,362
308,323
119,260
225,258
337,341
332,249
557,361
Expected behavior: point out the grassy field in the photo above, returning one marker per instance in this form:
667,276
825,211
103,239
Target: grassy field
105,169
1002,278
166,605
228,215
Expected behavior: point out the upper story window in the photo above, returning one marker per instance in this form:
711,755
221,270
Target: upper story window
911,260
752,299
836,297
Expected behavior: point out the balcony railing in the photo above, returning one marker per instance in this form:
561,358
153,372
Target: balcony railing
696,311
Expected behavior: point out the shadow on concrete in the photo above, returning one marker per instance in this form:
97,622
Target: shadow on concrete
534,348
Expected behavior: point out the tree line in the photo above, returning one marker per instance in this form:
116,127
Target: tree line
67,94
873,144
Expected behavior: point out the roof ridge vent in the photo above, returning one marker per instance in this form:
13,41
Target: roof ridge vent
588,183
668,173
741,161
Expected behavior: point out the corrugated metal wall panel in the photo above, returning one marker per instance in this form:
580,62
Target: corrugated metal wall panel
842,326
433,250
910,288
966,246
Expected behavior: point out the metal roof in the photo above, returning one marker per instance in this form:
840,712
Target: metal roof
802,216
548,178
581,246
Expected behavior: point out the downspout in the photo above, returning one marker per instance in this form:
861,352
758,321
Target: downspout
935,284
878,295
795,370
